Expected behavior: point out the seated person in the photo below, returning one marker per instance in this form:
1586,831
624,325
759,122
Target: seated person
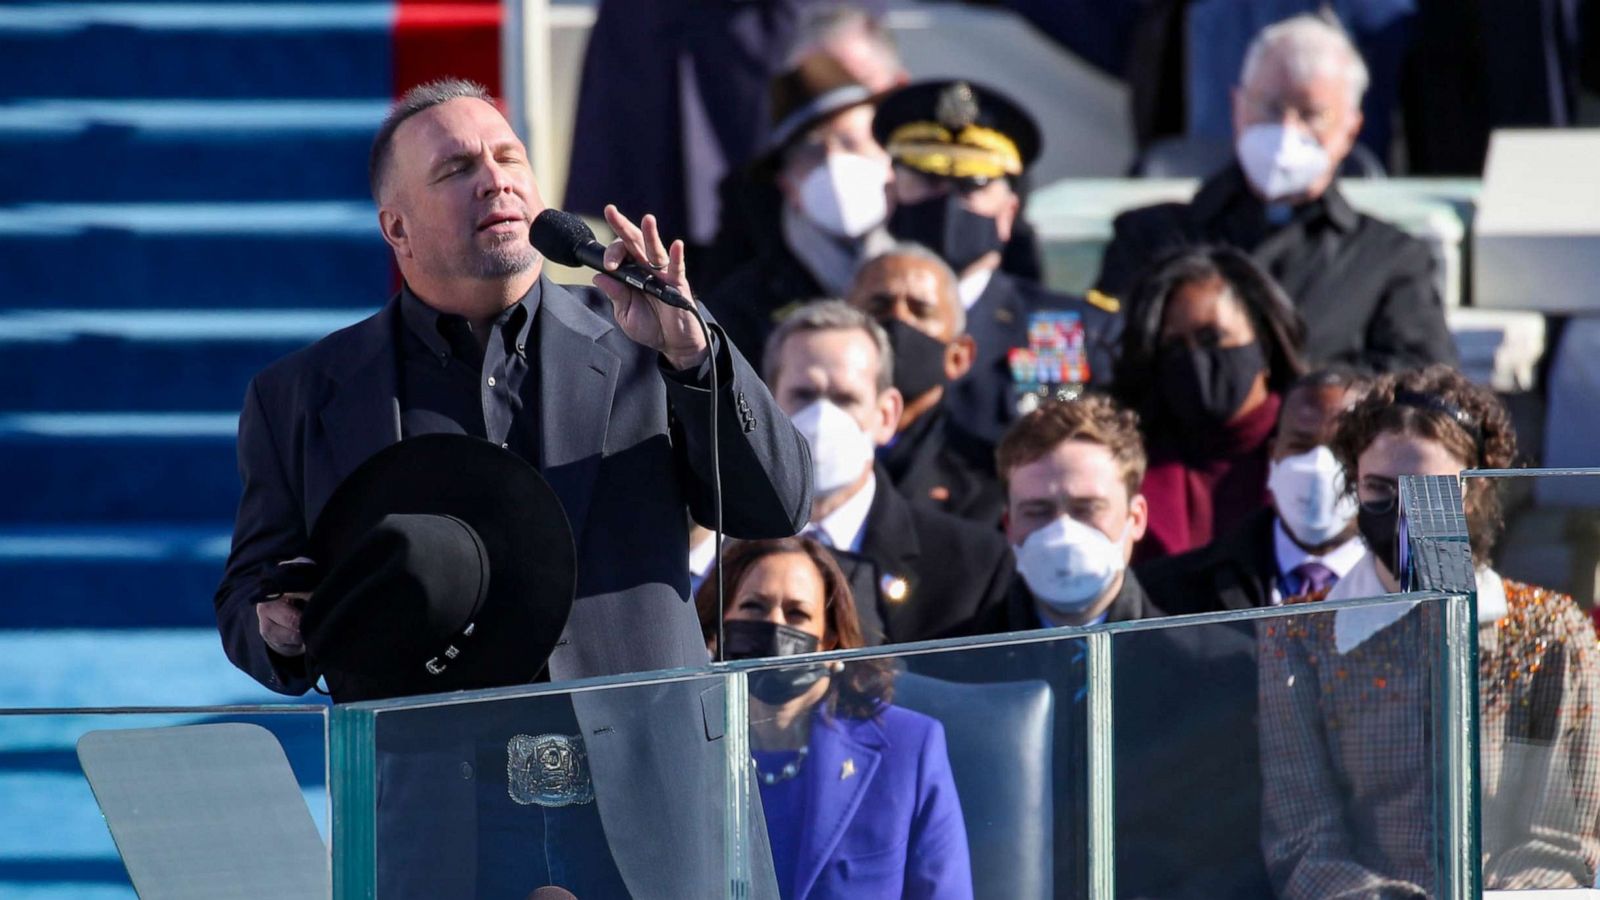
1210,346
917,573
1340,768
825,180
933,461
1364,288
959,149
1305,540
857,793
1072,472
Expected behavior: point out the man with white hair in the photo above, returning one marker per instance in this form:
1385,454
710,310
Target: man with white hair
1364,288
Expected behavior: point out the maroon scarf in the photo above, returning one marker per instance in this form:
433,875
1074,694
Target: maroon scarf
1206,485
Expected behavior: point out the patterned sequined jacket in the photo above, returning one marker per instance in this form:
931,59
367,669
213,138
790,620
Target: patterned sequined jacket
1348,763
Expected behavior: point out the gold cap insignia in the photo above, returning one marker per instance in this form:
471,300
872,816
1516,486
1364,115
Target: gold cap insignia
1103,301
957,106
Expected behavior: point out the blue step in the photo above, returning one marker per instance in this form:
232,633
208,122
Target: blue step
193,50
139,575
209,255
205,151
147,360
127,467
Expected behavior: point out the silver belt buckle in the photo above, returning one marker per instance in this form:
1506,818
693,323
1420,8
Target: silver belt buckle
548,770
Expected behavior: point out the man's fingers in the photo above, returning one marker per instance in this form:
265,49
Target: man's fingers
676,274
628,234
655,251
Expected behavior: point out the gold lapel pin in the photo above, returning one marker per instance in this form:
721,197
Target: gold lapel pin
848,769
895,588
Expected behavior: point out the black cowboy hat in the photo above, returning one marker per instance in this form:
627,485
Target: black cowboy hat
450,566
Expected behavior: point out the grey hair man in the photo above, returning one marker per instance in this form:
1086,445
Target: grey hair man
1365,289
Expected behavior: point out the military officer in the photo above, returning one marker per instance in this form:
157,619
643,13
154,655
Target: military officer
958,149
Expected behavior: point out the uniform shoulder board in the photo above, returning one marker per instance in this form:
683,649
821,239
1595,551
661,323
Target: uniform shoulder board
1104,302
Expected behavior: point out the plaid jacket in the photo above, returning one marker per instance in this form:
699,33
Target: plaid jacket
1348,761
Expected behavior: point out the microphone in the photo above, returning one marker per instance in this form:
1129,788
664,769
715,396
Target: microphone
550,891
564,238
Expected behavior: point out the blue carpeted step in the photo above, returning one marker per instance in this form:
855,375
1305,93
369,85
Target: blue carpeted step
209,255
189,50
118,467
117,151
139,575
147,360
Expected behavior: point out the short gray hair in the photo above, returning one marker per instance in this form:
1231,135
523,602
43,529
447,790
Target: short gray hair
1309,45
952,292
420,98
828,315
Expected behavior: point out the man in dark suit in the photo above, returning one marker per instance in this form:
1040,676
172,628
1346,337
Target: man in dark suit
605,391
934,461
916,573
1364,288
1305,541
959,149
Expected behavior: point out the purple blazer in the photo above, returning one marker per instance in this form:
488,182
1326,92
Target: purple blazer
883,818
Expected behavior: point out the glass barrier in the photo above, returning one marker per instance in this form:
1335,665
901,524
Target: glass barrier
111,804
1118,760
1535,537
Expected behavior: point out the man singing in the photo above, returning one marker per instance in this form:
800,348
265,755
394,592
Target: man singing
605,391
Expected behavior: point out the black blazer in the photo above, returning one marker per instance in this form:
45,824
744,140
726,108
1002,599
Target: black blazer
952,572
626,450
1364,287
1235,571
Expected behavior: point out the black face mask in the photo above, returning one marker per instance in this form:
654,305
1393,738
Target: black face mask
1381,531
949,229
918,360
761,640
1205,386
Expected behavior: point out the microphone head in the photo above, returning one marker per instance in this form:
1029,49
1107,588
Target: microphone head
551,892
558,234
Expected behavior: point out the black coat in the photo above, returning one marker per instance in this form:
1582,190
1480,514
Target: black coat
749,302
954,572
984,402
936,464
625,450
1235,571
1364,288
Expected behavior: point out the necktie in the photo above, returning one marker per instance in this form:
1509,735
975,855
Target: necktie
1311,578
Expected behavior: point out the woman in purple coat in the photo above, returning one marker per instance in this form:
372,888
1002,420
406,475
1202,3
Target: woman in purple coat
858,795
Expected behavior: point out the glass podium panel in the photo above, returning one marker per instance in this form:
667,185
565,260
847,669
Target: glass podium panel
1535,543
179,802
1297,752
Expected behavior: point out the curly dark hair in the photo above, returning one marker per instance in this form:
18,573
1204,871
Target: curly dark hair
865,686
1272,315
1378,413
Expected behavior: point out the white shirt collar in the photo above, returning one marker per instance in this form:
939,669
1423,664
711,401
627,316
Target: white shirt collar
702,556
1340,560
972,287
1352,627
845,525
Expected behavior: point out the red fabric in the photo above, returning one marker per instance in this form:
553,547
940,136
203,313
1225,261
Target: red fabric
1207,486
446,38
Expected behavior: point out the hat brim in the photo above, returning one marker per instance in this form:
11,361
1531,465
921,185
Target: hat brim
519,518
825,107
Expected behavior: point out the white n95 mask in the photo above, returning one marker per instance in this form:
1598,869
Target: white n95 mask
1068,565
840,450
845,195
1308,490
1281,162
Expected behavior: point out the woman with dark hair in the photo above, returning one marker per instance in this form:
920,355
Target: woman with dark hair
1347,796
858,795
1210,345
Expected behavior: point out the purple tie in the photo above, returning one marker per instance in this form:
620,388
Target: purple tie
1311,578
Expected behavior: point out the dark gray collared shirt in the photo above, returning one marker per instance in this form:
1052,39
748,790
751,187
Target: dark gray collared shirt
452,382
